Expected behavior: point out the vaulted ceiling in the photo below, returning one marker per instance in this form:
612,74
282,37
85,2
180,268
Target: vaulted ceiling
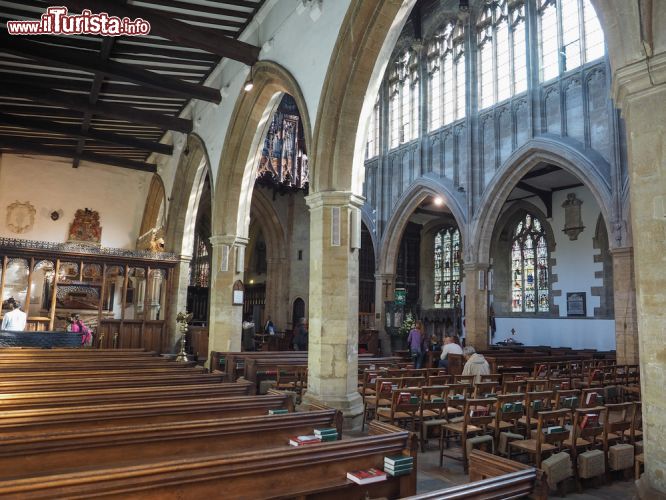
111,99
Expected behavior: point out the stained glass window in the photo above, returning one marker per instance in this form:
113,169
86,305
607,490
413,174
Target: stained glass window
570,35
200,266
446,76
447,268
501,46
529,267
372,144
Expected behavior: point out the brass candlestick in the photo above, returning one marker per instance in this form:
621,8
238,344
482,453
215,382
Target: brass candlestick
182,355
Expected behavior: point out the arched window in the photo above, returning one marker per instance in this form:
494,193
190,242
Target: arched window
404,99
446,72
501,51
530,290
569,34
372,144
447,268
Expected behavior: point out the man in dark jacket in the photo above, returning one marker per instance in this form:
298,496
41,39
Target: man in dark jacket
301,336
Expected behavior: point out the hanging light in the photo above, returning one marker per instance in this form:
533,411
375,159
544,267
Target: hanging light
249,84
439,201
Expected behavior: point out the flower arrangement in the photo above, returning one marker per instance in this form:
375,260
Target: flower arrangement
407,325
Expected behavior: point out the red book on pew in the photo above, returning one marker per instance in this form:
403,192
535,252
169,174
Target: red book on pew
303,440
366,476
404,398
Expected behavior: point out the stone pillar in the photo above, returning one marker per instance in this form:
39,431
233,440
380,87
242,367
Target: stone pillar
178,299
640,91
225,319
384,287
624,297
277,293
476,305
333,311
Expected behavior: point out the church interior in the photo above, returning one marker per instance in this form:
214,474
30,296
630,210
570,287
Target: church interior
402,226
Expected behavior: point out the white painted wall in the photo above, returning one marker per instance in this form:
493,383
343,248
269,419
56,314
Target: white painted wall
575,268
51,184
575,333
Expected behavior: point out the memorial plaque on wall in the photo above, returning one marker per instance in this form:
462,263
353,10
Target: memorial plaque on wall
576,304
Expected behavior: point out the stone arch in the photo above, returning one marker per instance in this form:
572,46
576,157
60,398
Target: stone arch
263,214
242,145
501,248
368,219
410,199
155,200
589,169
193,166
367,37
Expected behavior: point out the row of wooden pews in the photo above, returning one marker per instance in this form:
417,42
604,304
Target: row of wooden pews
172,440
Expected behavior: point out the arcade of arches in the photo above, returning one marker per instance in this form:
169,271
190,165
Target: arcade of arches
496,171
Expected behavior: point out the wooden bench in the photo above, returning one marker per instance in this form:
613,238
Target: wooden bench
41,453
46,365
135,413
315,470
102,395
95,381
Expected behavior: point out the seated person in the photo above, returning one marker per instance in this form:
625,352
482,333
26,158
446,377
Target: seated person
14,320
475,364
450,347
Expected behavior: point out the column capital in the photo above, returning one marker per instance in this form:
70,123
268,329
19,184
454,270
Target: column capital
184,258
384,277
229,240
621,251
476,266
638,79
334,199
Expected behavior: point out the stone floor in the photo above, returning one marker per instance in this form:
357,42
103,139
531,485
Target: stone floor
432,477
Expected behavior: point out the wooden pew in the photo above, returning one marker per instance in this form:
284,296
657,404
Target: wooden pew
315,470
101,395
46,365
493,478
90,372
95,381
135,413
45,453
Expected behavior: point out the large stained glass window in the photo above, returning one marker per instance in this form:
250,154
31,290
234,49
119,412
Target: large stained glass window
569,35
529,267
447,268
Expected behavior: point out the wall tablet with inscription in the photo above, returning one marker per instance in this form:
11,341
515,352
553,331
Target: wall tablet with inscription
576,304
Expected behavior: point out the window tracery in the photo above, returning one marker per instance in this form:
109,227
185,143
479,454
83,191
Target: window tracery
570,35
501,50
446,76
447,268
530,289
404,99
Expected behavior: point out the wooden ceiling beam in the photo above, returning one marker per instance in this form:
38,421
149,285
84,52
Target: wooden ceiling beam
9,143
88,61
81,103
75,131
182,33
545,196
219,11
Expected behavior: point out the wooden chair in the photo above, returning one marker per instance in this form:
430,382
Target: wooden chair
464,379
456,396
544,442
559,383
404,408
507,412
567,399
635,433
485,389
383,393
433,411
288,378
590,398
368,381
512,376
493,377
540,384
409,382
535,402
477,416
513,386
618,422
586,437
439,380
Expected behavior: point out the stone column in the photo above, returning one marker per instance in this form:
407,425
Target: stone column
277,293
225,319
178,298
476,305
640,91
624,297
333,311
384,287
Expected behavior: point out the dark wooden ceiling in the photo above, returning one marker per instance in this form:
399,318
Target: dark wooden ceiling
111,99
